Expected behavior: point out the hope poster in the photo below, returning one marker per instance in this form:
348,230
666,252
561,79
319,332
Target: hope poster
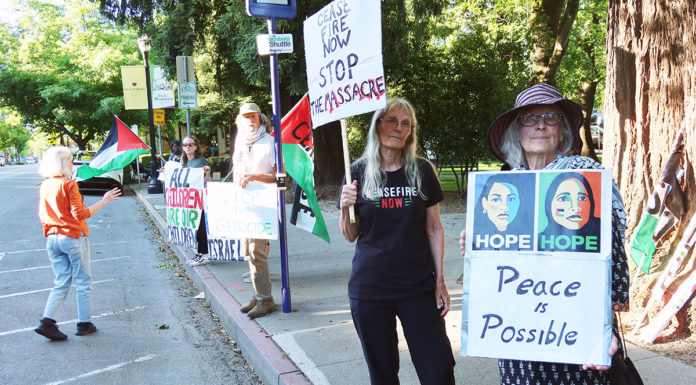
537,266
236,212
183,196
343,48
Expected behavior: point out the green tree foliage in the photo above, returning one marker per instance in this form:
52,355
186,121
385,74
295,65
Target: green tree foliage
583,72
460,62
13,135
61,70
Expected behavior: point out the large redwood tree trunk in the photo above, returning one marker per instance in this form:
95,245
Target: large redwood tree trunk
650,93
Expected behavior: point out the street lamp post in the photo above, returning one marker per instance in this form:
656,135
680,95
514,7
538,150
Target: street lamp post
155,186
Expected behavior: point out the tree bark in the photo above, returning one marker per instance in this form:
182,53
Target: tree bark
552,21
650,93
588,89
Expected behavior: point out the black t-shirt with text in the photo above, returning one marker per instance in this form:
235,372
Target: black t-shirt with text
392,256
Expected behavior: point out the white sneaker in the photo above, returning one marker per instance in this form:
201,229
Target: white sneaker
247,274
196,258
199,262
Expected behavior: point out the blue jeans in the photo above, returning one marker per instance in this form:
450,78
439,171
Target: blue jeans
69,258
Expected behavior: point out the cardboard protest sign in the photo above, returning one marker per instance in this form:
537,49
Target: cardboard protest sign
237,212
219,248
343,48
537,270
183,196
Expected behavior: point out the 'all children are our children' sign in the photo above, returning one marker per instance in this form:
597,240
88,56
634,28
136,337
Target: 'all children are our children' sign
183,196
537,266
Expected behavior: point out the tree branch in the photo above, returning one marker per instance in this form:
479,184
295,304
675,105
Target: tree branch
562,36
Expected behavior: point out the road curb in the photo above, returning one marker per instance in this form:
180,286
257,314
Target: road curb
269,361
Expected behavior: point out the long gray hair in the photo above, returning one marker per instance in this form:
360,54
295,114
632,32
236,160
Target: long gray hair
374,177
512,148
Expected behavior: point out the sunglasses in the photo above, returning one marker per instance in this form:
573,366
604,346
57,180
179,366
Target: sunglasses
550,118
189,144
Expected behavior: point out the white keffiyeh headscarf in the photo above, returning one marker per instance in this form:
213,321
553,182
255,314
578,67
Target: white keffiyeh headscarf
244,140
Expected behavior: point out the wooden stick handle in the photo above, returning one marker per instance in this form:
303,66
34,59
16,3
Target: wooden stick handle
346,162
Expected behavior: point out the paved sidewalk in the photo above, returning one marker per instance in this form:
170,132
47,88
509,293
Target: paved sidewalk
316,343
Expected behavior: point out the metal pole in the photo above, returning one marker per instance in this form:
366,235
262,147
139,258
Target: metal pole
188,118
155,186
159,138
285,274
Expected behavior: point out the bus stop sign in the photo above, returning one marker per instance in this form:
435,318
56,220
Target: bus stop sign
282,9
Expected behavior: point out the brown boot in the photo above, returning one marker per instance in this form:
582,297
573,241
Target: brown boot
250,305
266,306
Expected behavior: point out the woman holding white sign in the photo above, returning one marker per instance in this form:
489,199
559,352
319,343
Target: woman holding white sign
193,158
539,133
399,256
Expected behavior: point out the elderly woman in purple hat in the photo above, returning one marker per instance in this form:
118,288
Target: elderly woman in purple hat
542,132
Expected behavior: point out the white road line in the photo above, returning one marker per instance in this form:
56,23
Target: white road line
44,249
287,342
49,266
40,290
102,315
104,370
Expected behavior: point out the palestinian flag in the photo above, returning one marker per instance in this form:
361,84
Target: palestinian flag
119,149
298,155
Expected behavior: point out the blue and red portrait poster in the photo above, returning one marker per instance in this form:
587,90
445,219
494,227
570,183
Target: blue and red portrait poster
537,266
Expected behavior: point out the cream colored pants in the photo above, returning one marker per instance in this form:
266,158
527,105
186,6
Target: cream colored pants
258,266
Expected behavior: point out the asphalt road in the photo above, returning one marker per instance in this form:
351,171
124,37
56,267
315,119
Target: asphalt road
151,328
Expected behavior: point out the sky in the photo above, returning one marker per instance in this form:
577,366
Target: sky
7,14
7,7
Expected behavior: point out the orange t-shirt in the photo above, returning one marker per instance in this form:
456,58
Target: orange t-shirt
62,209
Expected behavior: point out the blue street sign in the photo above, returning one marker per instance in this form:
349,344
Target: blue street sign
283,9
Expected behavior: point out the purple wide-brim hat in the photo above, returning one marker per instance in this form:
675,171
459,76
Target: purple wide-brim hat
541,93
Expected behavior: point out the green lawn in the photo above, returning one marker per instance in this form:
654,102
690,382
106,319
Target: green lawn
447,180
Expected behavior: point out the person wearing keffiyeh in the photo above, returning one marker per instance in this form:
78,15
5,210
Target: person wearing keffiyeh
254,161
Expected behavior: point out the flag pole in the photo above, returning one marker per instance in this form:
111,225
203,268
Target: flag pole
346,162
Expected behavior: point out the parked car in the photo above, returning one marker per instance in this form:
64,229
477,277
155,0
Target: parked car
97,184
597,129
2,159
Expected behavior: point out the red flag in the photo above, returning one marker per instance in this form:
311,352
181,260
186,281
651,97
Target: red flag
296,125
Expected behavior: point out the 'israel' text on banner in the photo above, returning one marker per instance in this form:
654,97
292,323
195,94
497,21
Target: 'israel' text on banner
224,249
343,48
183,196
537,277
